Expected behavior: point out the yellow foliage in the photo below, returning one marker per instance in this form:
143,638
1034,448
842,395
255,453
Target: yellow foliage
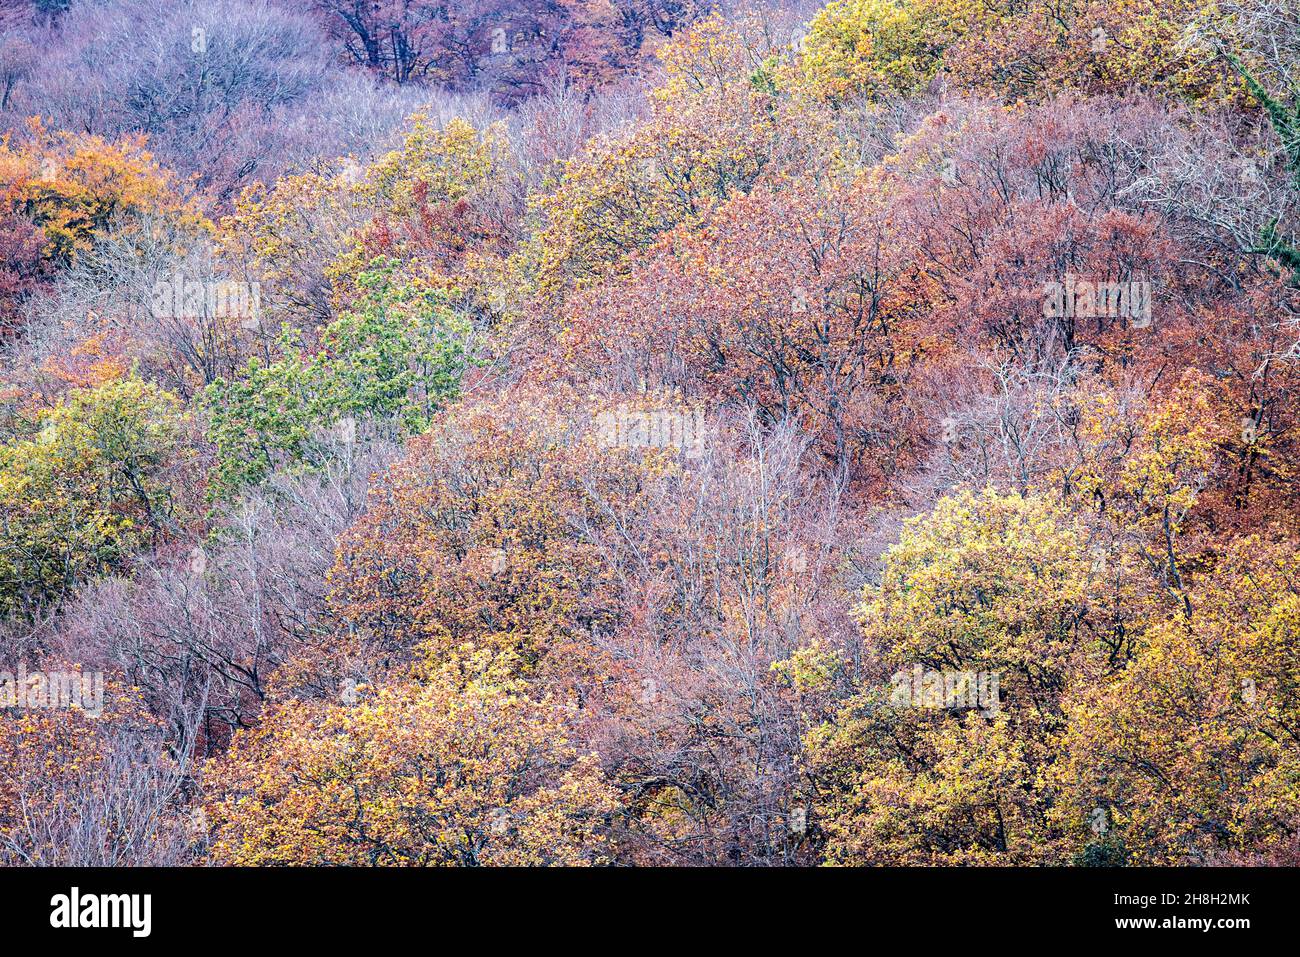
86,488
455,765
75,186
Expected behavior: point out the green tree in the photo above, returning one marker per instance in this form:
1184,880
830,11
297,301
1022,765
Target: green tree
394,358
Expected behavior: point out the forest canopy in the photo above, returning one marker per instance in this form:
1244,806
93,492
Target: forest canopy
650,432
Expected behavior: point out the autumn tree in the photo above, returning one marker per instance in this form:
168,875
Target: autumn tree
439,202
470,538
456,765
795,302
74,187
626,551
859,48
710,135
987,612
103,790
1191,751
22,248
94,479
874,47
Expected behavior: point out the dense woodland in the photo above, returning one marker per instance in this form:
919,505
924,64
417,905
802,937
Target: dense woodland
562,432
